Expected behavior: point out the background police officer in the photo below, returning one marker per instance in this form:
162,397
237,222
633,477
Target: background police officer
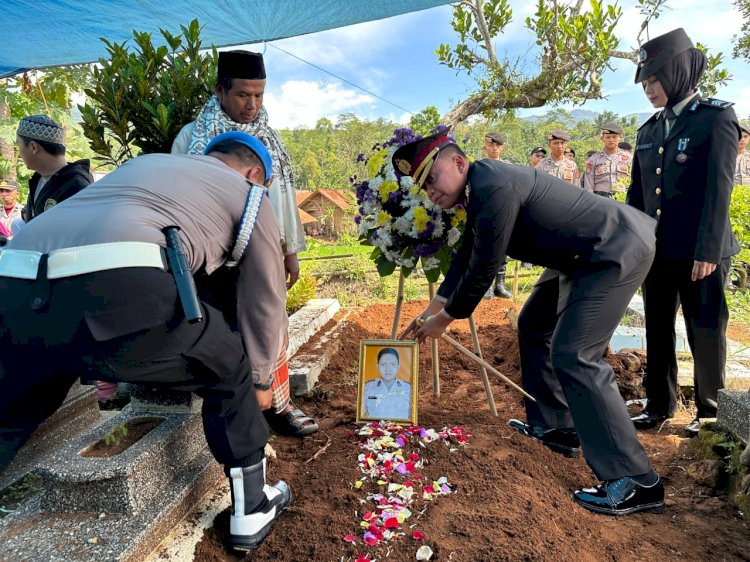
683,176
556,163
606,168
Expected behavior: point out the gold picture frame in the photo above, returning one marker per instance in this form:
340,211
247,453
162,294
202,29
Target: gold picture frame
383,364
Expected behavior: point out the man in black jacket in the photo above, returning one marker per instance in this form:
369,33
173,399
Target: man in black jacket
682,176
597,253
41,144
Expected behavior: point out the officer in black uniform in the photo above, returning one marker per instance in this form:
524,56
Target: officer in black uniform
598,252
682,176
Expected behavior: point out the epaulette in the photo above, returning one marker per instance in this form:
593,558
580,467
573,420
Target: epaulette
716,104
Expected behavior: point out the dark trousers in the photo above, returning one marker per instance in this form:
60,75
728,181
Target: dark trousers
563,332
121,326
704,307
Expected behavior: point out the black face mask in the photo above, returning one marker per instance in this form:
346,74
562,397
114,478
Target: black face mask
680,78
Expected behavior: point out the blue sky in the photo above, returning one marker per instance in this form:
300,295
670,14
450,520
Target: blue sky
395,59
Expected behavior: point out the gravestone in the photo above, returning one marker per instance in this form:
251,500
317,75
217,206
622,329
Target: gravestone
734,412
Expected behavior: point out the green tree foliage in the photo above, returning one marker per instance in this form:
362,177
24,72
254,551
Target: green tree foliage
142,95
742,41
425,121
575,46
35,92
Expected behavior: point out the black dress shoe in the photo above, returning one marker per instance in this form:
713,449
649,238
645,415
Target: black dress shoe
647,420
621,497
560,441
693,427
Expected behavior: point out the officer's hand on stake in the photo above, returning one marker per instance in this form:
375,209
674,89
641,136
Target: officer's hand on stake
701,270
412,327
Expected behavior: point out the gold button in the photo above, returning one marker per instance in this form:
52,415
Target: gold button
658,190
658,171
661,150
658,212
576,257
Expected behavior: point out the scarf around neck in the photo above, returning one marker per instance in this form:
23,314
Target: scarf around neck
212,121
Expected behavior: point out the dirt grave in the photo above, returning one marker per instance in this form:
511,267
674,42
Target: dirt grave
510,497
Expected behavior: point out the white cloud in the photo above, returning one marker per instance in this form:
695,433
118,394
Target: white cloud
742,107
301,103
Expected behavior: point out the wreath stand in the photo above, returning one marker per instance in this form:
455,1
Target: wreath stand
434,343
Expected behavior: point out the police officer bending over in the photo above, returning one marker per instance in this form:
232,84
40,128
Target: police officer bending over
598,252
93,297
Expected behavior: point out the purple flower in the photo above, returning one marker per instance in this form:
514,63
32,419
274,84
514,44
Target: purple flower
357,219
425,249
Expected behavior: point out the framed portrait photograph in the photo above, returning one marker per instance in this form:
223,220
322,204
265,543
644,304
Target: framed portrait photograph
388,381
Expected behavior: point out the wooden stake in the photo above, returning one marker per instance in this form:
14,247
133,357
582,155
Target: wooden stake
482,369
435,359
399,302
514,296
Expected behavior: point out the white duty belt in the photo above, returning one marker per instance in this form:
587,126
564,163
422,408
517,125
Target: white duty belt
69,262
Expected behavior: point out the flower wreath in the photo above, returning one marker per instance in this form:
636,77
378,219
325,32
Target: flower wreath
396,217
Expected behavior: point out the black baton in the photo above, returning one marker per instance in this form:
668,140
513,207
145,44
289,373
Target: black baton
183,277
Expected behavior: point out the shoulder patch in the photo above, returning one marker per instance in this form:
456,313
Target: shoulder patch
644,146
717,104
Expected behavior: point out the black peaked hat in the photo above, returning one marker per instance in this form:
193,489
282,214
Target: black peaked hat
558,134
416,158
241,64
658,52
495,137
611,128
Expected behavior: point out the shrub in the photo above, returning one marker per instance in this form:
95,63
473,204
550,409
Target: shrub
304,290
141,98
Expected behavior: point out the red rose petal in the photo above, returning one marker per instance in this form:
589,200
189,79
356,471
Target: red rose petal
350,538
417,535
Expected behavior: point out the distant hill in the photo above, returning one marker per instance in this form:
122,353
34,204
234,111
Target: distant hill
587,115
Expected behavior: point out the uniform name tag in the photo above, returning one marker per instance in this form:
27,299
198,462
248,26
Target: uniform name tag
644,146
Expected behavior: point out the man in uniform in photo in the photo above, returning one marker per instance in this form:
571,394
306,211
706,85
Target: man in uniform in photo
683,170
556,163
597,253
102,288
387,397
607,168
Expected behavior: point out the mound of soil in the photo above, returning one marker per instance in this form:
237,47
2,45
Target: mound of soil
511,499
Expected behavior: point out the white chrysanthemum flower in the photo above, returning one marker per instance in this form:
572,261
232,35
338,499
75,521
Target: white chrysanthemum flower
454,235
402,225
409,262
384,235
439,227
375,183
430,263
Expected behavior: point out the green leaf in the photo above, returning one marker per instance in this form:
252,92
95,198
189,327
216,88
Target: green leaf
385,266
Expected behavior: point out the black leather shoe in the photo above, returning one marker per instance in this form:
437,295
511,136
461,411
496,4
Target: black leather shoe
693,427
647,420
621,497
564,442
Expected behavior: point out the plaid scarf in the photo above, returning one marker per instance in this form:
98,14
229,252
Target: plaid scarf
212,121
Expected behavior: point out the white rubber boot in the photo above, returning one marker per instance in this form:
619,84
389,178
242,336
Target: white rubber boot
255,505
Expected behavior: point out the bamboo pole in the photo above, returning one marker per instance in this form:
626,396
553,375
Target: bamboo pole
435,359
399,302
482,369
514,296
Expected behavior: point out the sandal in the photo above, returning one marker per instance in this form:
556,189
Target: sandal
294,423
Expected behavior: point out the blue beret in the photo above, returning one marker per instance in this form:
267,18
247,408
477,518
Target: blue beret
249,141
